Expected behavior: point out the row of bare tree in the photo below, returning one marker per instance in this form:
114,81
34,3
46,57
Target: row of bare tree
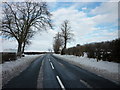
21,20
62,38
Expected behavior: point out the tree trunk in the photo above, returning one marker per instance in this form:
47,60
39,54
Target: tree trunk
63,51
65,44
23,48
19,49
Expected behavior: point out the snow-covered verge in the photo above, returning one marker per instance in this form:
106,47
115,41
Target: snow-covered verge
108,70
10,69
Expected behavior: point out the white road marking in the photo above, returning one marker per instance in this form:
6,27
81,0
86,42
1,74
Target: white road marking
60,82
49,60
52,65
86,84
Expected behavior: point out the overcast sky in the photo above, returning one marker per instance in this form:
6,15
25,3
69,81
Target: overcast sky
90,22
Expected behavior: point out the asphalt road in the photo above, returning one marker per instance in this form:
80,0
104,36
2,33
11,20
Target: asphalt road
27,78
58,73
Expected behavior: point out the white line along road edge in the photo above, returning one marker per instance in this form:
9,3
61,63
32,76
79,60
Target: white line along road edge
60,82
85,83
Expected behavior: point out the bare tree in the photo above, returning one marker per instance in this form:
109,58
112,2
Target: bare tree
66,33
19,18
58,43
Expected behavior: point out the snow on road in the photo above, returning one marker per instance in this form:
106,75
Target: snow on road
108,70
10,69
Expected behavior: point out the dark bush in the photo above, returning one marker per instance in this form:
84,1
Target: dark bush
107,51
8,56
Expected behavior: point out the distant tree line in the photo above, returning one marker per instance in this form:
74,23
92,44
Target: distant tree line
33,53
107,51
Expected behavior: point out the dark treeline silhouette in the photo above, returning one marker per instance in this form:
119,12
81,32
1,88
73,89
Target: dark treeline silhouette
7,56
33,53
107,51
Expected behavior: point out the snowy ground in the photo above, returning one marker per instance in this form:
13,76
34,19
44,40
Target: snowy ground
108,70
10,69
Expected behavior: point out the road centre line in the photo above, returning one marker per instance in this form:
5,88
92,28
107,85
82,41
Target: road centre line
51,65
86,84
60,82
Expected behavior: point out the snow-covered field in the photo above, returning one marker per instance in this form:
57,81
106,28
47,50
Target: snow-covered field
10,69
108,70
